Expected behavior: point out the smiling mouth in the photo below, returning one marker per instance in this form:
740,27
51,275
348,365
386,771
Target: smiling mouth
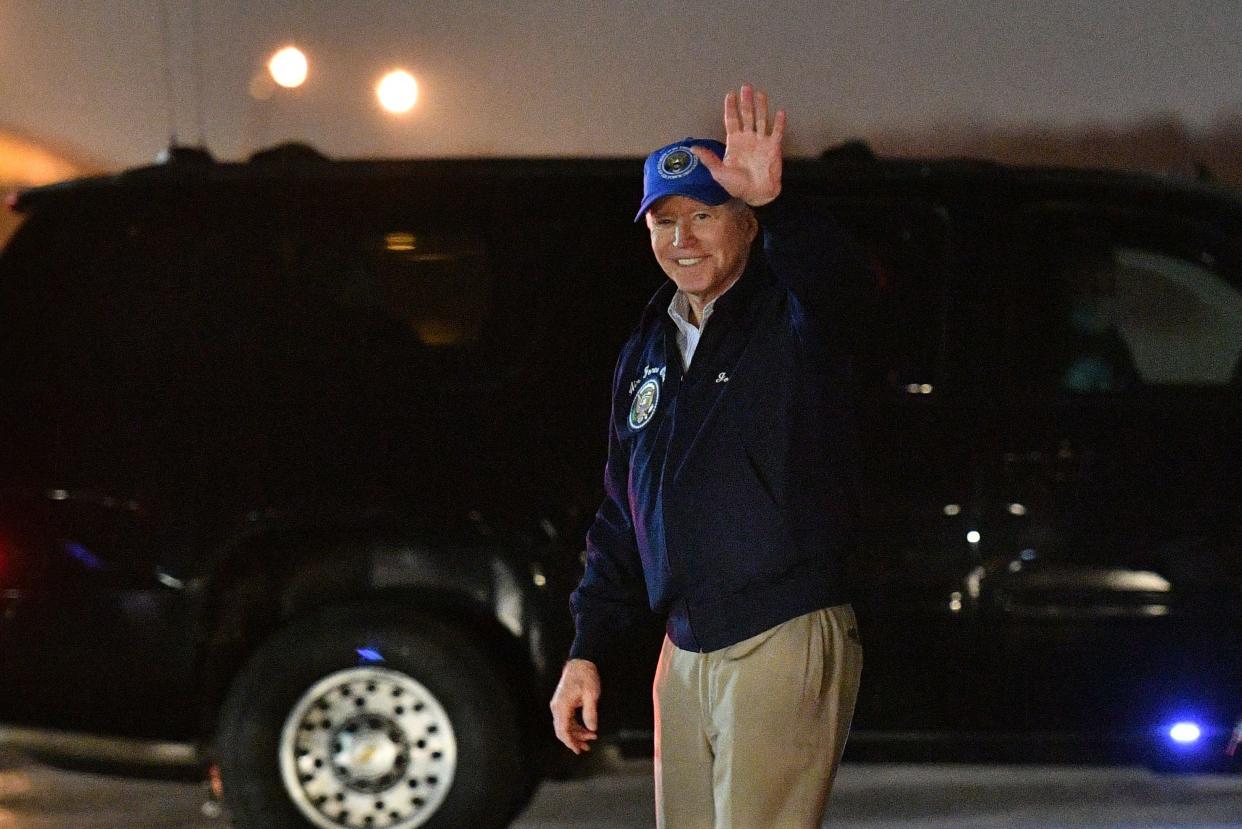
688,262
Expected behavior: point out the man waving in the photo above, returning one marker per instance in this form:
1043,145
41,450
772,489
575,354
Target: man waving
730,490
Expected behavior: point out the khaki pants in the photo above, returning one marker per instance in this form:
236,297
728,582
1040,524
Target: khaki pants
749,736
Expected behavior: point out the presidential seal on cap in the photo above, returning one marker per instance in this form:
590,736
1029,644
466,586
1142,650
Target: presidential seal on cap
675,171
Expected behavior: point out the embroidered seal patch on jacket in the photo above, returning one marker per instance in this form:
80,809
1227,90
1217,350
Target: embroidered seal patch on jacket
645,401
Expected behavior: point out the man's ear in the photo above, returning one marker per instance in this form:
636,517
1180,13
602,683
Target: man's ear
752,223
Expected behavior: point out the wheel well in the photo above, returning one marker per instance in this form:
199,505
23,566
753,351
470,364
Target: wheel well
254,604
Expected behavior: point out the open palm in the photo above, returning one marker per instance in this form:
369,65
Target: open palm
751,167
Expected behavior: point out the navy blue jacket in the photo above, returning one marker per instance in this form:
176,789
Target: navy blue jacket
731,487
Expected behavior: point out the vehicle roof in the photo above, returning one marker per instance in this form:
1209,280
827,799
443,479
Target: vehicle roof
852,164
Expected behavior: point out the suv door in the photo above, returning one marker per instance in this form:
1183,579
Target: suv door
920,429
27,435
584,273
1115,537
97,635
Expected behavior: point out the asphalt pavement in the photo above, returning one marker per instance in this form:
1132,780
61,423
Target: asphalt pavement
868,796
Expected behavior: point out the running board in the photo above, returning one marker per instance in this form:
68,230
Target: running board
97,749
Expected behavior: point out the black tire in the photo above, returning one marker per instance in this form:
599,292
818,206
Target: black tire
429,659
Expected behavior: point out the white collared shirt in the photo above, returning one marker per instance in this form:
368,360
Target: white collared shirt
687,334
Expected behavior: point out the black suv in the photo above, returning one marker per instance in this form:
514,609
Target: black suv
296,456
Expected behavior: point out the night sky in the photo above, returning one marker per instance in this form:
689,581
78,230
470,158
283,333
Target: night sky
615,78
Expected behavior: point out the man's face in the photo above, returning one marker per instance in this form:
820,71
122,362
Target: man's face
703,248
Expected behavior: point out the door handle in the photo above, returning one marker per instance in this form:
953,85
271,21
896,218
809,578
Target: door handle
1077,592
9,600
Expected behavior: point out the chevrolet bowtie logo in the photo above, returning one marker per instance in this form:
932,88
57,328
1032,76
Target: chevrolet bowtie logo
722,377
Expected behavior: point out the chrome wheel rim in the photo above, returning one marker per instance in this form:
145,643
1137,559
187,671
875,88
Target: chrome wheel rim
369,748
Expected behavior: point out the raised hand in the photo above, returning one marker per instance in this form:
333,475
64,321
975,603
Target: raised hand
751,167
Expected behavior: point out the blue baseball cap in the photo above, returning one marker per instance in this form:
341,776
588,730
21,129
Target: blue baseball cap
675,171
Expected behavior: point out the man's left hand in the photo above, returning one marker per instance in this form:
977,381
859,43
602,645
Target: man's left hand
578,689
751,167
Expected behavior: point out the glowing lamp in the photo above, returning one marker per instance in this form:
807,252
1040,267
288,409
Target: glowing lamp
369,655
397,91
288,67
1185,733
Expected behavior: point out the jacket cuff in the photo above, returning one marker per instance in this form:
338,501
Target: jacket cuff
590,640
774,211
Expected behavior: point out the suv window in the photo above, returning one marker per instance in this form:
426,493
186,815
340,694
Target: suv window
383,273
434,285
904,244
1181,322
179,288
138,311
1110,305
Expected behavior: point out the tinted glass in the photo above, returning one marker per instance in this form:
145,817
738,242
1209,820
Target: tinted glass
435,285
1180,321
26,359
381,268
901,341
1113,304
